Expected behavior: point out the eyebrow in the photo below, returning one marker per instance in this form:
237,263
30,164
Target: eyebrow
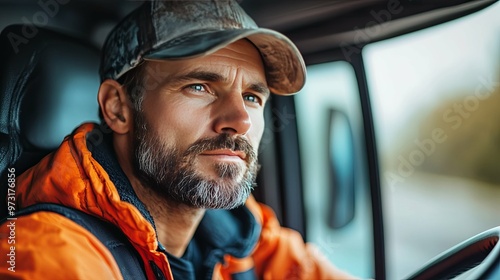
201,75
215,77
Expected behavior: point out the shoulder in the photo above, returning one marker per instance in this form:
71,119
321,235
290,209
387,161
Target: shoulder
48,244
281,253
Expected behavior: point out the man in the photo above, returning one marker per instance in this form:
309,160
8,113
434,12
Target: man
184,84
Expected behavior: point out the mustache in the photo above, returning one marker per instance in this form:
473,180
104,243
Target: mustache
222,141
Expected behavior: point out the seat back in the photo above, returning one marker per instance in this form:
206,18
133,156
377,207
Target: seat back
48,86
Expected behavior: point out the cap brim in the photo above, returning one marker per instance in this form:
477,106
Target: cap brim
284,66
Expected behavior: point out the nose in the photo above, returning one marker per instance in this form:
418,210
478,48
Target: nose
232,116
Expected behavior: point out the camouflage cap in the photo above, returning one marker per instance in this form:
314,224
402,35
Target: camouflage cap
179,29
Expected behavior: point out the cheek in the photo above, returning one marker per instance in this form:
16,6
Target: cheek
181,123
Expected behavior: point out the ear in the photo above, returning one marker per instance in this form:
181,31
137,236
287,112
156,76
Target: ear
114,101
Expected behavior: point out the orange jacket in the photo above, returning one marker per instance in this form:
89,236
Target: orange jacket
50,245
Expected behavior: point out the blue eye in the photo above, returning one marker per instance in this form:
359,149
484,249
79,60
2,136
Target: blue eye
252,98
197,87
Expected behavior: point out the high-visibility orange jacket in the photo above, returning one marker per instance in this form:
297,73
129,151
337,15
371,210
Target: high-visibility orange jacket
50,246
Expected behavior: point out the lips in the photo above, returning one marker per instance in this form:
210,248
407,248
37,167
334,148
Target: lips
225,152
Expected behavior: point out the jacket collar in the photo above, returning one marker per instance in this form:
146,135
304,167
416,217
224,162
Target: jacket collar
233,232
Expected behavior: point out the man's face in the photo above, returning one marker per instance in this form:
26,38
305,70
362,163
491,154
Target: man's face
197,135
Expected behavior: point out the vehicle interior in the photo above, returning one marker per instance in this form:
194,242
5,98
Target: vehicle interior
387,160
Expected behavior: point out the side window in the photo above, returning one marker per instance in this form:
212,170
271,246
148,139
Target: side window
335,182
435,97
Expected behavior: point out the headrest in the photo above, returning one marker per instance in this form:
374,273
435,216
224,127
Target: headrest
48,86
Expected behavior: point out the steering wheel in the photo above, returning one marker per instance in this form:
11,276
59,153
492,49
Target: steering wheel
481,252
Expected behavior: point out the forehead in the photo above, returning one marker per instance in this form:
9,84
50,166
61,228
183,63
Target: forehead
241,55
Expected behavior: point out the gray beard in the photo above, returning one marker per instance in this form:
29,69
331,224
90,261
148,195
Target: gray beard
170,173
